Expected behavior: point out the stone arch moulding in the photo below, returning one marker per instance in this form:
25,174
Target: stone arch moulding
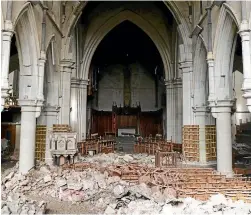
200,73
183,27
30,20
106,27
232,13
225,10
28,50
226,29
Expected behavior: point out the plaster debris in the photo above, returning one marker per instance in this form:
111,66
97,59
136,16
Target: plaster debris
18,204
110,187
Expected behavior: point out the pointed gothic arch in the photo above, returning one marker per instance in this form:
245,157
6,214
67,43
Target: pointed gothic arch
102,30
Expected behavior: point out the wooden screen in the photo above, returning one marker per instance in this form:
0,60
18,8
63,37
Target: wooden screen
101,122
126,121
150,124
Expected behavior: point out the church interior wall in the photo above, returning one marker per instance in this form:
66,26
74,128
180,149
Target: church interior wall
142,89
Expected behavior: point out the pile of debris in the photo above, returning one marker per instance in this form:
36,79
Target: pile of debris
90,185
107,182
119,158
17,203
217,204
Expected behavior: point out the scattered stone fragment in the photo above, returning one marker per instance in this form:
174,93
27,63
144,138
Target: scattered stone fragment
44,169
8,177
128,158
47,178
118,190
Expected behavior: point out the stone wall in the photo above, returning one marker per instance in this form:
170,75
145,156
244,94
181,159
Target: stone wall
142,88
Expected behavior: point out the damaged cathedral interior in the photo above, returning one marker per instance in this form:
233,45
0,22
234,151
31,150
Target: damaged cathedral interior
143,90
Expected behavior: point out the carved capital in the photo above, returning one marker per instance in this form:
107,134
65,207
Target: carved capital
79,83
221,106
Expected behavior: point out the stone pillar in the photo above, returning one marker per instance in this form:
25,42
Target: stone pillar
222,112
41,76
66,67
210,63
83,108
74,104
178,110
174,112
246,59
200,118
187,70
50,113
169,110
6,42
28,134
79,107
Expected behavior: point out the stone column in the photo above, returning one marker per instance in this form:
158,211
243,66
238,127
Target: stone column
246,59
28,131
50,113
74,104
200,119
6,42
83,108
178,110
187,70
222,112
79,107
66,67
169,110
211,76
41,65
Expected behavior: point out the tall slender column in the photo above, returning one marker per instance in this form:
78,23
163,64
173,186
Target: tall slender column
174,112
41,67
7,34
6,42
42,59
66,67
178,110
78,107
28,130
169,110
246,56
187,70
210,62
74,105
83,108
50,114
200,119
222,113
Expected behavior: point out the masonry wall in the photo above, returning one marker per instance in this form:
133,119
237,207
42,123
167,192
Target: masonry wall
142,88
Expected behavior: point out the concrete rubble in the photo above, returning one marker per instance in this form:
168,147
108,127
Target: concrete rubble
110,194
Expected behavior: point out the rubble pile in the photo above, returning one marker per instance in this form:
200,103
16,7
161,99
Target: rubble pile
17,203
113,183
119,158
217,204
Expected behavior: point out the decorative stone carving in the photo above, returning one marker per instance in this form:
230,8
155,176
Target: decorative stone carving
63,144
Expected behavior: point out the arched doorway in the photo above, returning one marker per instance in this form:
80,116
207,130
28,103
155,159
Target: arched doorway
91,31
127,84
